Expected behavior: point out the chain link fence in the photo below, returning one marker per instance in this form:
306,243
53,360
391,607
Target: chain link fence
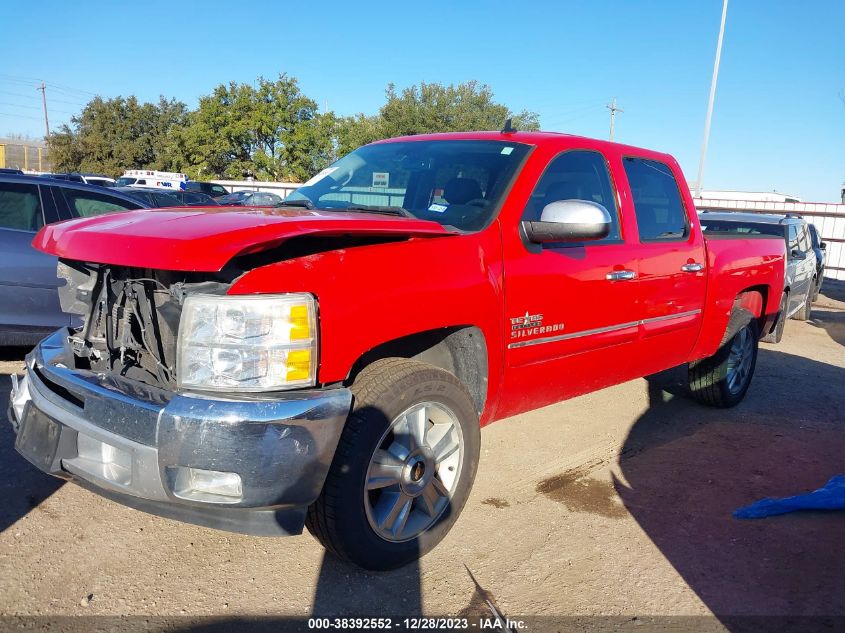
26,156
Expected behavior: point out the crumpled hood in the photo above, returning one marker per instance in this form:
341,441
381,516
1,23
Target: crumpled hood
205,239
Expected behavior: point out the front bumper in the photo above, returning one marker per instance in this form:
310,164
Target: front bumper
132,443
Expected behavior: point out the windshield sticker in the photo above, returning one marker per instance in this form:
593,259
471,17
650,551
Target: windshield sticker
438,208
507,150
319,176
381,179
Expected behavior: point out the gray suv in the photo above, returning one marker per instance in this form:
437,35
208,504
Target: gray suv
29,301
801,279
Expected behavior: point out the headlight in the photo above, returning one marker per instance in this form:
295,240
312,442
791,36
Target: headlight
247,343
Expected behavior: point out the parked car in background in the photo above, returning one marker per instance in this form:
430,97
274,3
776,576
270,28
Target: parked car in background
88,179
151,197
169,198
250,199
208,188
11,170
821,258
29,303
801,276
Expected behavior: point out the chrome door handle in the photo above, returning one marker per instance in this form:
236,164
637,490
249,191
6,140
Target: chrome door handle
620,275
692,268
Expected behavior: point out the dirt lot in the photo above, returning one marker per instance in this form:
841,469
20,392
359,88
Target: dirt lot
616,503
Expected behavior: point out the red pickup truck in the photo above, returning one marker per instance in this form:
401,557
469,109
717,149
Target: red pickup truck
329,363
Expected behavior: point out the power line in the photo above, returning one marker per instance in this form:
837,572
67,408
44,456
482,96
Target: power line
32,106
19,116
52,100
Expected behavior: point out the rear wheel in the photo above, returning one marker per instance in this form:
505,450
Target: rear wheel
722,380
776,335
403,468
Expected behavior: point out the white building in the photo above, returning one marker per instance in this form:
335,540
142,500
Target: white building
751,196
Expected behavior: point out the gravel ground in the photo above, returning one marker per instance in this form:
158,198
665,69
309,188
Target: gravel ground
616,503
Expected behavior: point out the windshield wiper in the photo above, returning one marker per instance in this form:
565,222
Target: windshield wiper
304,202
374,208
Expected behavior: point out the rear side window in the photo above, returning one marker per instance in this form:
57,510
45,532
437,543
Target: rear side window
20,207
657,201
793,238
87,204
804,239
575,175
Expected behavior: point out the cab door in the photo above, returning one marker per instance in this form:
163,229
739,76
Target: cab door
672,264
571,309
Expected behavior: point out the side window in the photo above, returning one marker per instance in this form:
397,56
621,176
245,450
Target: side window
20,207
804,239
793,238
86,204
218,190
576,175
657,200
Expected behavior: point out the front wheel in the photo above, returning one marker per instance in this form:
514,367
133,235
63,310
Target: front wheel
403,468
806,308
723,379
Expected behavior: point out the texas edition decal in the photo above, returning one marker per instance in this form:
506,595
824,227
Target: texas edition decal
531,325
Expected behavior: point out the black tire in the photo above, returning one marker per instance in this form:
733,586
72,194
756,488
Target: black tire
804,313
776,335
710,379
817,287
382,391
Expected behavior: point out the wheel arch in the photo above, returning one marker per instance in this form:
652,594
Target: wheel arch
754,299
460,350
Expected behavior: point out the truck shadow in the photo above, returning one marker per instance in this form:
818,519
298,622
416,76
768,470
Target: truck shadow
685,468
22,486
831,321
834,289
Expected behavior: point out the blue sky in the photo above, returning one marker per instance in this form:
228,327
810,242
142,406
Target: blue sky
779,121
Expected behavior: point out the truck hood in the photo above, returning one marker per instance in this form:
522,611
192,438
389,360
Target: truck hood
205,239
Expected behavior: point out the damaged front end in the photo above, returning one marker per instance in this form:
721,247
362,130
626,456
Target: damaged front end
131,318
104,406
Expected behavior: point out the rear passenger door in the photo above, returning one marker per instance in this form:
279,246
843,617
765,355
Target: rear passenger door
672,264
28,296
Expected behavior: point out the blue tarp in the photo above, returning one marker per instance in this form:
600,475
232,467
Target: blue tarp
829,497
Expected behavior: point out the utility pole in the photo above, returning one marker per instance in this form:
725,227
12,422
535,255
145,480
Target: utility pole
709,116
43,89
613,110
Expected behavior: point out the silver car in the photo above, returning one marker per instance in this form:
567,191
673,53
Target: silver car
800,280
29,301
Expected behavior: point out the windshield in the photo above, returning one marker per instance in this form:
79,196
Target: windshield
456,183
123,181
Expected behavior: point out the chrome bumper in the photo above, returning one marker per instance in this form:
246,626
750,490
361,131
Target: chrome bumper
132,443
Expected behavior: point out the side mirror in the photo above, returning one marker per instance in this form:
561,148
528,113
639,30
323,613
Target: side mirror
797,254
569,221
823,246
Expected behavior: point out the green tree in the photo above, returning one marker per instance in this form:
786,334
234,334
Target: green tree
432,107
271,131
111,135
